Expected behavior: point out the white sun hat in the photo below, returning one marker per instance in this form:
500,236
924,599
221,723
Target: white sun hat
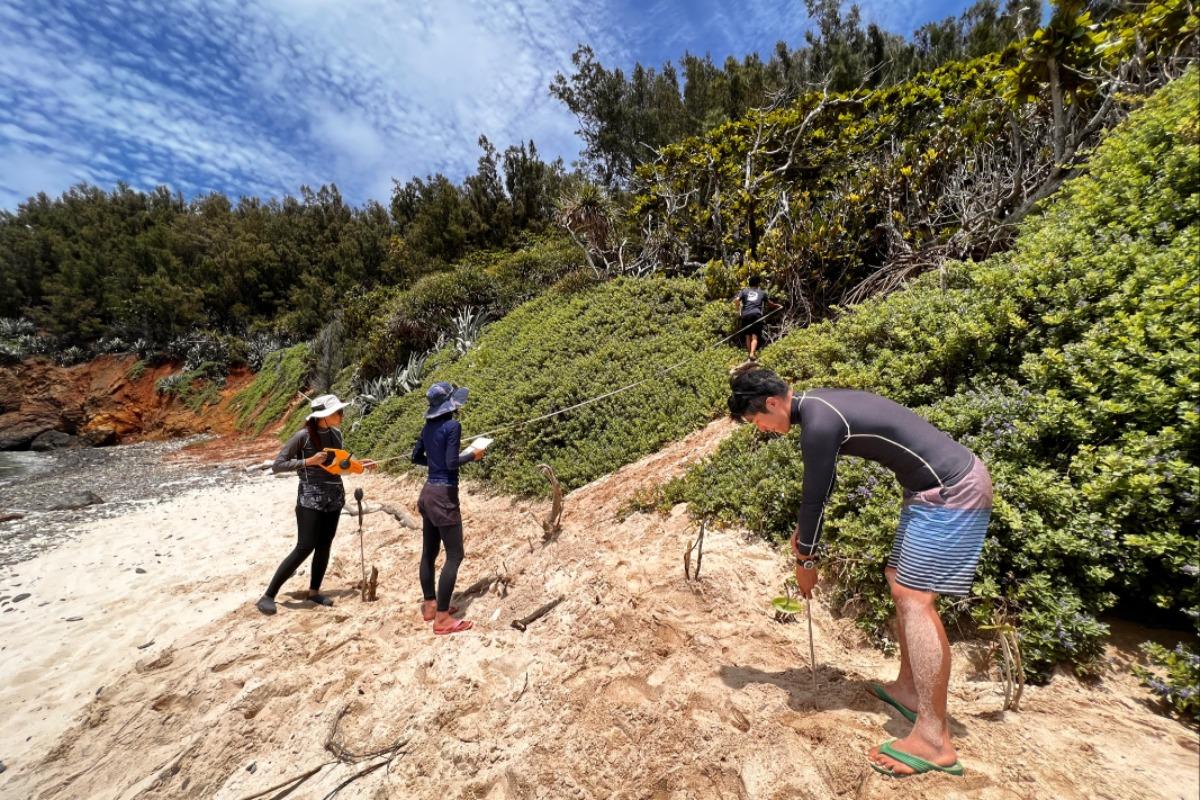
325,405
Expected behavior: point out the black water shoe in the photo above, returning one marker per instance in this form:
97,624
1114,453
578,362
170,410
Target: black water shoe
266,605
320,600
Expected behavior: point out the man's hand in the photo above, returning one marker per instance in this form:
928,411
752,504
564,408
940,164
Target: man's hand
806,579
478,455
316,460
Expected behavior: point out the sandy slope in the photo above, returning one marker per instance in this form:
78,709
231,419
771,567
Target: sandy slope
638,685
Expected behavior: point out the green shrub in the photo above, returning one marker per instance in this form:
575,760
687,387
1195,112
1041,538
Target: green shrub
493,282
1179,688
273,390
195,388
1070,365
555,351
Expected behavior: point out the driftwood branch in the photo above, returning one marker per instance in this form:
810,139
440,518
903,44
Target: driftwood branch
525,622
288,786
478,587
397,514
552,525
342,755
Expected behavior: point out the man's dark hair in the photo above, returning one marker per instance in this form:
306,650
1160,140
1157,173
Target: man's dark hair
755,280
750,391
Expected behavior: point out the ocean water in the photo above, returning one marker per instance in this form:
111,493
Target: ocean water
16,464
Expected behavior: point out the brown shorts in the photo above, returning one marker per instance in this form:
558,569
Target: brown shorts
438,503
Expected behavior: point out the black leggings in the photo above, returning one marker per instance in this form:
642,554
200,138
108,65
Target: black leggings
452,537
314,534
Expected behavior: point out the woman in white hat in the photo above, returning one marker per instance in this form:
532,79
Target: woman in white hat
319,500
437,448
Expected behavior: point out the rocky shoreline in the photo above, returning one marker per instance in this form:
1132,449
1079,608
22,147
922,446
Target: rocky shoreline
65,489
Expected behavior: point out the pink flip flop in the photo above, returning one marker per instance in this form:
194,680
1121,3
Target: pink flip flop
459,626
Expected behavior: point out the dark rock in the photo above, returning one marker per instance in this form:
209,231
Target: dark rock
18,430
21,596
5,516
253,768
54,440
140,571
73,619
2,767
100,437
144,646
74,500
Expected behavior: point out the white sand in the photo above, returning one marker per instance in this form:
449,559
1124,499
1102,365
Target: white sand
640,684
204,554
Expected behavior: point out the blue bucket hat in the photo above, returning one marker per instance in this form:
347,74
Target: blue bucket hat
445,397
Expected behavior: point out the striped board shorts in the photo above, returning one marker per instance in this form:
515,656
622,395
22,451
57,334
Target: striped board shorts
941,534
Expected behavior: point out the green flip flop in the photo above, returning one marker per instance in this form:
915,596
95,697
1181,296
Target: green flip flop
906,712
919,765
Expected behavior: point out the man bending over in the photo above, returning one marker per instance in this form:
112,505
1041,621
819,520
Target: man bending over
947,504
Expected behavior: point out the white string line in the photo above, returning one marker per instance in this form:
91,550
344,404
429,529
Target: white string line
626,388
606,395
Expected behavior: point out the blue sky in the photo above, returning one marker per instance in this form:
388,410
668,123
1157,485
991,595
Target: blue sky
260,96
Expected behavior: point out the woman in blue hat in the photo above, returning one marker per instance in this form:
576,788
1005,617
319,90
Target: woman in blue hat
437,448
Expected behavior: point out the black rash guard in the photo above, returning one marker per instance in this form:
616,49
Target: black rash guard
845,421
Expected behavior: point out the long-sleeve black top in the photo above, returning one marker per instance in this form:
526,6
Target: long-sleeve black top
319,490
845,421
437,448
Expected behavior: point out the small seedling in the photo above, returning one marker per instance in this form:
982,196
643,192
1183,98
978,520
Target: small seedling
788,606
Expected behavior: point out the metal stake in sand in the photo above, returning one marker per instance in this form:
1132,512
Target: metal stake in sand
362,557
812,653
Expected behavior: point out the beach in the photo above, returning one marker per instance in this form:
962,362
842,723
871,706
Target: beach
167,683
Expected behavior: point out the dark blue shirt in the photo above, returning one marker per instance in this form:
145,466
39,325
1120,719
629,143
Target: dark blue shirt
437,447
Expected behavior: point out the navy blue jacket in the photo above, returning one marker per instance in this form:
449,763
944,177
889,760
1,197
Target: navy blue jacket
437,447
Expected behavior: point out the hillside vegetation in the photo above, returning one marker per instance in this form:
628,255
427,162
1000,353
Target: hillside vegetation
1070,365
838,196
561,349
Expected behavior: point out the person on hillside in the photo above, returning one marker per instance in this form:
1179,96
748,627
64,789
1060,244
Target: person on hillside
319,499
437,448
943,520
752,303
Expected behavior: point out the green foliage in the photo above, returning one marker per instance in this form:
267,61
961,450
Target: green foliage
1179,687
849,194
492,282
197,387
151,267
273,390
137,370
1070,366
623,119
559,350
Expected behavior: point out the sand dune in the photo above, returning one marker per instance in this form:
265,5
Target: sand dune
640,684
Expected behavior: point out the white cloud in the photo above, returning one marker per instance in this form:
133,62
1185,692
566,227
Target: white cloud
260,96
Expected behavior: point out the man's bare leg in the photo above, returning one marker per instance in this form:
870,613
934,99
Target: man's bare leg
928,652
753,344
902,689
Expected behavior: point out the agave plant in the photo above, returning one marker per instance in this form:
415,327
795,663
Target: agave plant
14,327
468,324
169,384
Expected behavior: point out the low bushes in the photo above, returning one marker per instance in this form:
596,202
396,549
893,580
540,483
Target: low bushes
273,390
1070,365
495,282
560,349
